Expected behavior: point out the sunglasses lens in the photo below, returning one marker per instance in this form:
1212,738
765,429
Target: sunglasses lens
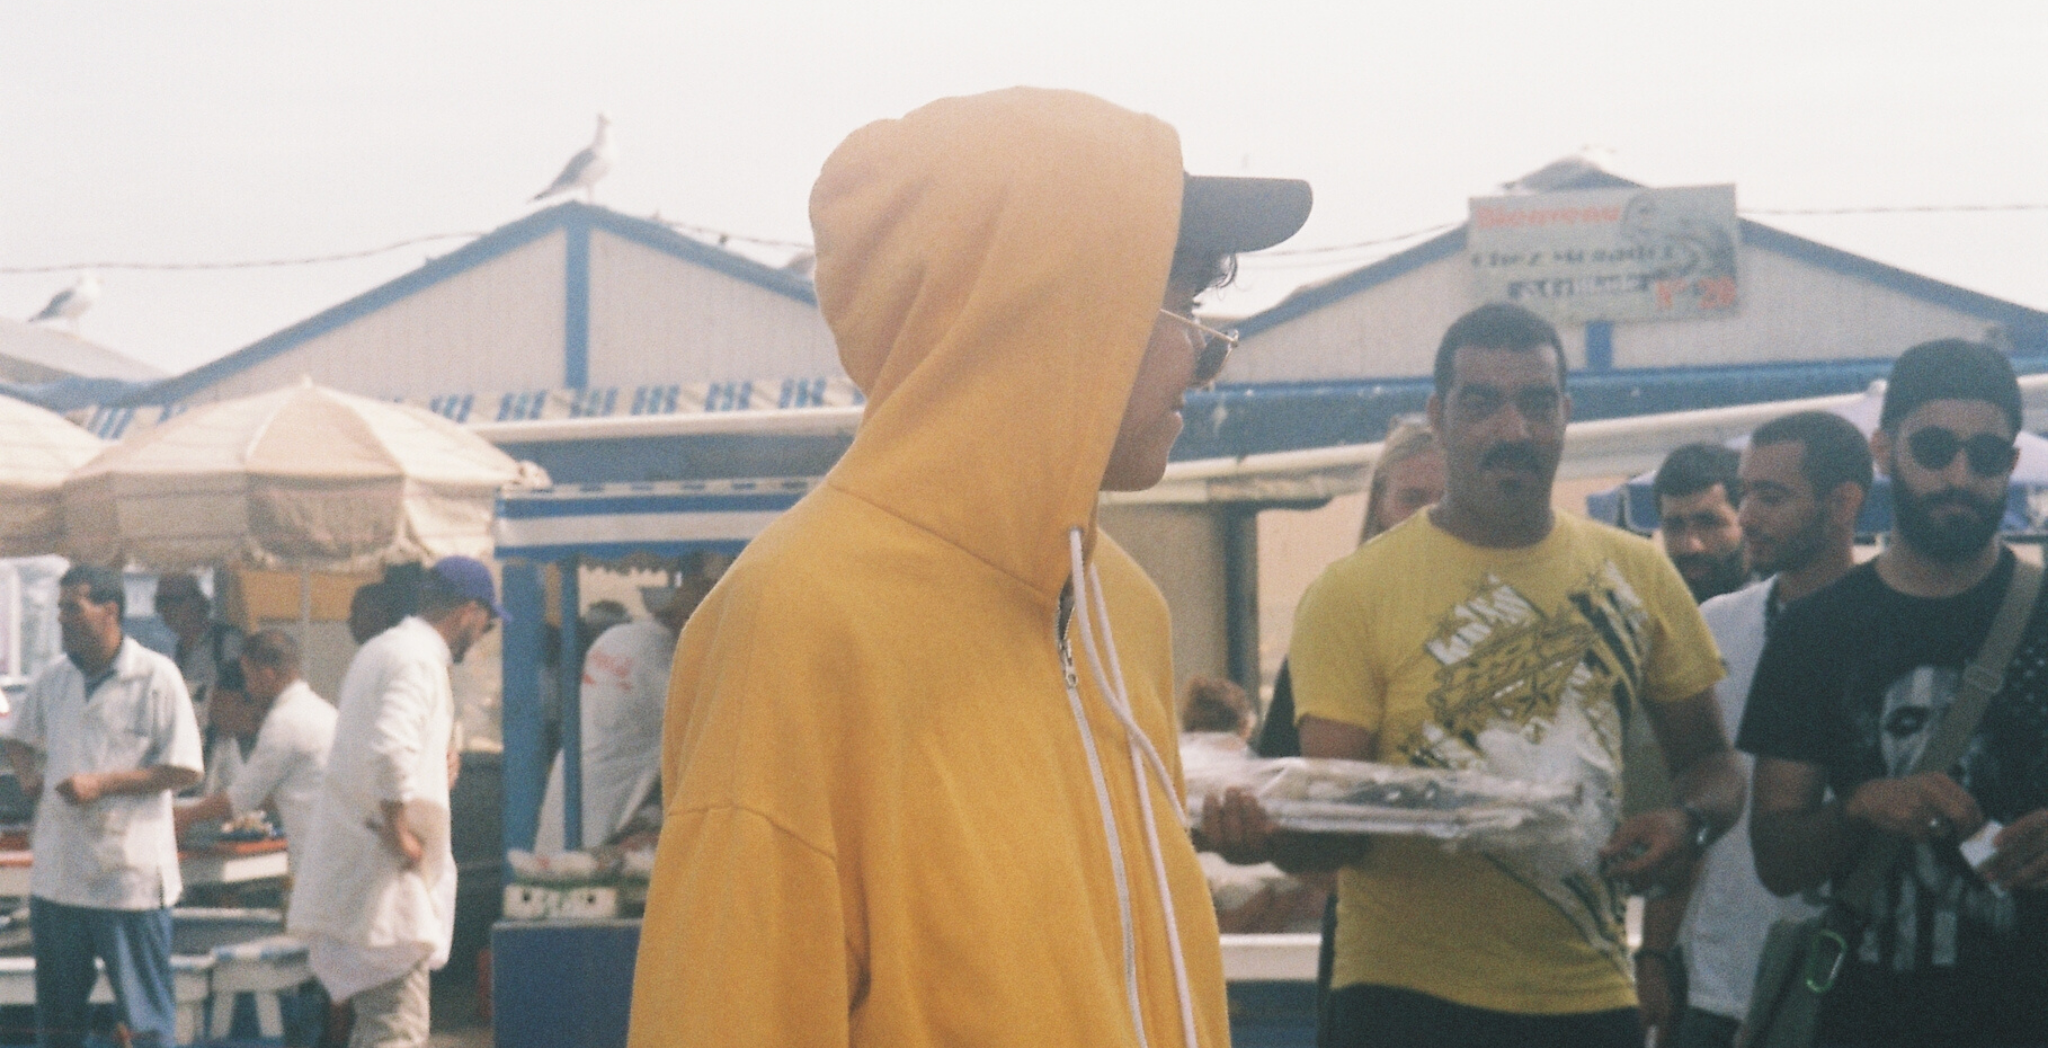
1989,456
1210,364
1934,448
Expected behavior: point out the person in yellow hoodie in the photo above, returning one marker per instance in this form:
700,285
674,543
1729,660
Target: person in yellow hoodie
919,791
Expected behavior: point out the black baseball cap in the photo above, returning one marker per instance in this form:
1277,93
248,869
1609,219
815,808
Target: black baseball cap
1223,216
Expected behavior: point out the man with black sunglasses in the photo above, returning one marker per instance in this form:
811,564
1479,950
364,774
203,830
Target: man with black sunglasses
1851,687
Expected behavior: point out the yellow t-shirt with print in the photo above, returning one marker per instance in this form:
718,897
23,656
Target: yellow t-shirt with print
1520,662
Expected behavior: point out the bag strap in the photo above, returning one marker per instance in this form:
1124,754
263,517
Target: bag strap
1983,676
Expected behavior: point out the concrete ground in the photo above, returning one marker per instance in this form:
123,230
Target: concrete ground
458,1021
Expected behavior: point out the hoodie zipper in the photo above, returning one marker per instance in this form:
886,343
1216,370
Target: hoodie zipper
1066,647
1112,837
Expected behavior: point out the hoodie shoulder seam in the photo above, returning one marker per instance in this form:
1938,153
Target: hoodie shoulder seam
774,823
933,535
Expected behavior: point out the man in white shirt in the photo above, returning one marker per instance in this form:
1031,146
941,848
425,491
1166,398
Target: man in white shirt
623,699
289,761
375,899
1804,478
205,648
114,728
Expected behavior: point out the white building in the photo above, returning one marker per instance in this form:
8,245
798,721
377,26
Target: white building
572,310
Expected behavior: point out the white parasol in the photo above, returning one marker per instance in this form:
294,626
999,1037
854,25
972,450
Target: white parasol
38,449
300,478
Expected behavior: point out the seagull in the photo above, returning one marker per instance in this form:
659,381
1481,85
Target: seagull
586,167
69,303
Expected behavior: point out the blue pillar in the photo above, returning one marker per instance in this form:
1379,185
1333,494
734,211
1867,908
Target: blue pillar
1240,533
1599,345
576,318
526,768
572,704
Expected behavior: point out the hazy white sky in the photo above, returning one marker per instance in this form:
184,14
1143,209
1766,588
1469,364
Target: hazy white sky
194,132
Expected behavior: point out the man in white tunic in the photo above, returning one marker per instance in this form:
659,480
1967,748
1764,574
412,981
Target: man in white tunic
624,695
376,897
114,729
289,762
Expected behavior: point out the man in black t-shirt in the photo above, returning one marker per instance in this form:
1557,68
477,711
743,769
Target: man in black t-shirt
1851,686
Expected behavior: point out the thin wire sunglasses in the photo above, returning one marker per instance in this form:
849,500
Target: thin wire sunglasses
1216,347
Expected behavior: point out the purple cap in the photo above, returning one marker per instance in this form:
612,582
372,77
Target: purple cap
468,577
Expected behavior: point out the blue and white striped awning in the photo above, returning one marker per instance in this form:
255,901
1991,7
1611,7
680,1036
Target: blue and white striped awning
616,521
535,405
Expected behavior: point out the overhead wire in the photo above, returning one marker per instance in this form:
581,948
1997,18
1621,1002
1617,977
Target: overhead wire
263,263
1295,257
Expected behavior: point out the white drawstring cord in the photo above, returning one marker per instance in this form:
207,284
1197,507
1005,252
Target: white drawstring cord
1114,840
1121,697
1117,698
1140,739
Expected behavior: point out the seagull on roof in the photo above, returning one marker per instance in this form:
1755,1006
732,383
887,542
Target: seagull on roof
71,302
586,167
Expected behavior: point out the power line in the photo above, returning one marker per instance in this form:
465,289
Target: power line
1907,209
1355,245
264,263
723,237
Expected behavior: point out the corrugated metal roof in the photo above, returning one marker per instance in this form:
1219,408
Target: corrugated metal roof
49,354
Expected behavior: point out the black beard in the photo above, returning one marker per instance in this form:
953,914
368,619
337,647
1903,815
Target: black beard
1947,541
1727,575
1799,549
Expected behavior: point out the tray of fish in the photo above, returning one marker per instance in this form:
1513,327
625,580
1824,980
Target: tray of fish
1360,797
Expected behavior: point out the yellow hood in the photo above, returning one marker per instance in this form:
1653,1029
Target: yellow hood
993,298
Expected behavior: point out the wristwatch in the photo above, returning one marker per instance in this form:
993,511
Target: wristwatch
1701,831
1666,956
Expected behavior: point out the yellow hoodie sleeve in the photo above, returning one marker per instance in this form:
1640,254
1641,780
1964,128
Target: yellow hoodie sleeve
711,974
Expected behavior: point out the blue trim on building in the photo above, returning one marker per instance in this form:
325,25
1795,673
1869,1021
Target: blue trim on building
530,508
501,241
618,550
1223,423
682,458
522,720
576,307
1250,420
1599,345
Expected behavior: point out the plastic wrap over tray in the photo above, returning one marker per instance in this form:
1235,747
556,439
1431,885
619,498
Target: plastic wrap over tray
1468,808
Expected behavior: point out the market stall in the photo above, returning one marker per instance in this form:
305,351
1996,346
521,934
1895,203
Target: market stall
299,479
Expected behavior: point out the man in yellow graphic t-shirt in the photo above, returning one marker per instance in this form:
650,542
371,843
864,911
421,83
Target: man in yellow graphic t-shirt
1493,634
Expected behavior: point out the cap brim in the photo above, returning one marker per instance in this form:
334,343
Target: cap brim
1227,215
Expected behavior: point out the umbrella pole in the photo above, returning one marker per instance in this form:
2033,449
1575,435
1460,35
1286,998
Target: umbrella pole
305,610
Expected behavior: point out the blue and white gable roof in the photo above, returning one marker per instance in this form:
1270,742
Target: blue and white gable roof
570,298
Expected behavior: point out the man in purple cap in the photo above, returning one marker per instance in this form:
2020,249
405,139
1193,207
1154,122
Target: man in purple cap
376,899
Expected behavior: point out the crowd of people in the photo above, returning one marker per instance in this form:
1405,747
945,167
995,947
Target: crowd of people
965,858
130,752
1834,699
918,766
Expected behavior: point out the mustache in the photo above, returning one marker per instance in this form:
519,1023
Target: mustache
1964,500
1518,455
